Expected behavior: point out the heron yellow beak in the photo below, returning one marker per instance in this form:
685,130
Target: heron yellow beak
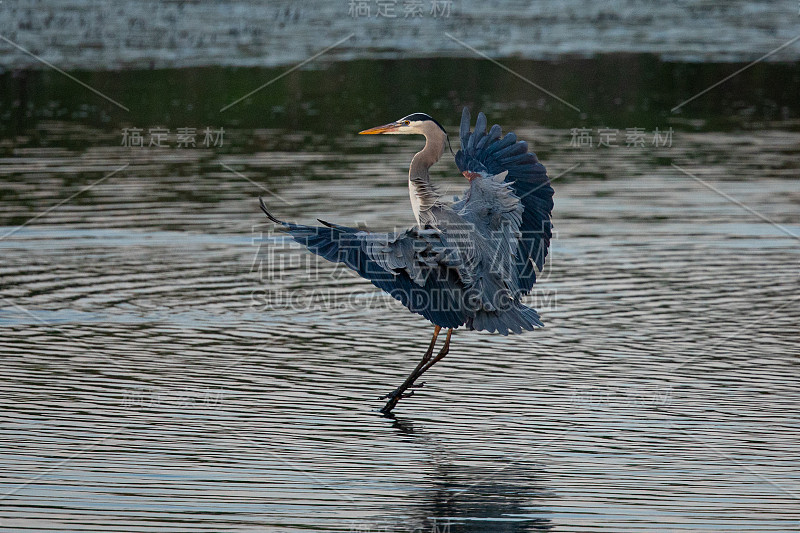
386,128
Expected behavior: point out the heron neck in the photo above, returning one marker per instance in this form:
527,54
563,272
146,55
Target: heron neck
422,193
427,157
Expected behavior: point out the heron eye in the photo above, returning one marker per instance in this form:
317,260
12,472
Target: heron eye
407,122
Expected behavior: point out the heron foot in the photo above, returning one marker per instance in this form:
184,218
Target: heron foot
397,393
401,391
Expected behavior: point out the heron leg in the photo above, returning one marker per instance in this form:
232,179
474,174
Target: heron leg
398,394
444,351
413,376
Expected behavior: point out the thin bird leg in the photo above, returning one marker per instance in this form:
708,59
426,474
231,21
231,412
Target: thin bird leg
396,394
444,351
424,365
412,377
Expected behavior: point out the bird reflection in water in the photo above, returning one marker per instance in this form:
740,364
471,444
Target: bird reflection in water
461,498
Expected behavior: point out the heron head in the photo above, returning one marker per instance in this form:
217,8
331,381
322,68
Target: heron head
415,123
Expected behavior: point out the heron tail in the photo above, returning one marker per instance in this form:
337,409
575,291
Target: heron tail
516,319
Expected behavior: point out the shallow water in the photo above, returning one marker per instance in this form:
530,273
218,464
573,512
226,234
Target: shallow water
173,365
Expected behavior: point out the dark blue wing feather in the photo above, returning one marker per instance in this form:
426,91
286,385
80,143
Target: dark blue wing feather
407,265
493,154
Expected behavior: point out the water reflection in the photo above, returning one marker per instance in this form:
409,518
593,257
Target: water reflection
467,498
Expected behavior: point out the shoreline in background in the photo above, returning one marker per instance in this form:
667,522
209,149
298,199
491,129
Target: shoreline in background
85,35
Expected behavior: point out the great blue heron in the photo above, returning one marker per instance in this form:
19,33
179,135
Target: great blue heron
467,263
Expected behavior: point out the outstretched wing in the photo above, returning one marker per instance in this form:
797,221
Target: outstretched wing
491,153
415,266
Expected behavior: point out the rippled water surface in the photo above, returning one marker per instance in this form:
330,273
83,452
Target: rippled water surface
170,364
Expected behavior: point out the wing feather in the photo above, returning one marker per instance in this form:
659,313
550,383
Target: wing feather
529,181
412,266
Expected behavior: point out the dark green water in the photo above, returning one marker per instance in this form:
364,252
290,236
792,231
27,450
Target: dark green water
610,91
